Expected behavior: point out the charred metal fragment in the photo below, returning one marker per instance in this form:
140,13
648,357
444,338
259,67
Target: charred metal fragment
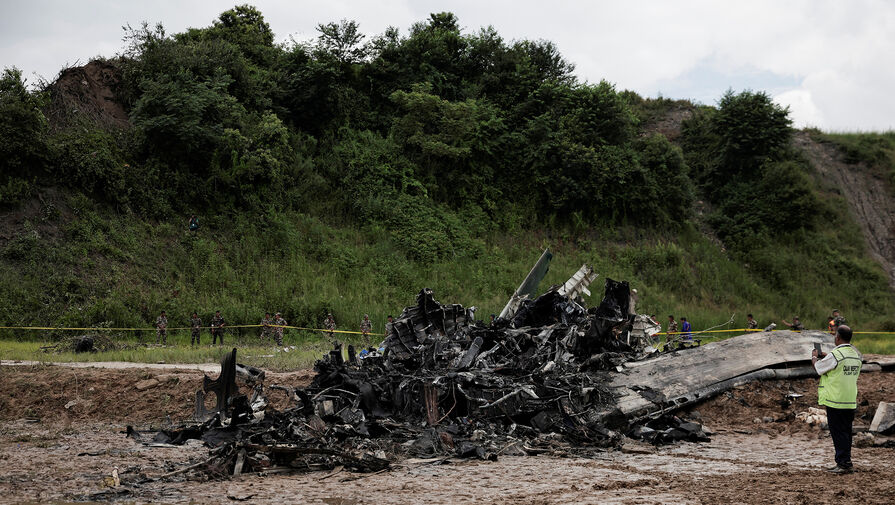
529,286
546,375
224,387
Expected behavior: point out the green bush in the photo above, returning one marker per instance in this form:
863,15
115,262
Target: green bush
92,161
23,246
14,191
23,129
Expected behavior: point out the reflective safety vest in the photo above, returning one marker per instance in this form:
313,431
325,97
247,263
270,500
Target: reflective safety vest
838,388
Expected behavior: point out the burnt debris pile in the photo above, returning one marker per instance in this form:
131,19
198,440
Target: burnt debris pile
444,386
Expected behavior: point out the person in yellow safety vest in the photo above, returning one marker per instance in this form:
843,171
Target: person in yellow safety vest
838,392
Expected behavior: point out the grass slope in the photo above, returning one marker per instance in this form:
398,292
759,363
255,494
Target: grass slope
88,266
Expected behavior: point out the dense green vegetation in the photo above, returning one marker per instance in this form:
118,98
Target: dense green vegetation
876,150
344,175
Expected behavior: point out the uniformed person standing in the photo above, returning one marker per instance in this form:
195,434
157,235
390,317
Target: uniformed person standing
366,326
217,328
838,392
838,319
161,329
195,329
751,324
330,324
278,331
265,327
671,330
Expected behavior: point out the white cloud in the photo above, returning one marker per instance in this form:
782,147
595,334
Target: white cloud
801,107
832,58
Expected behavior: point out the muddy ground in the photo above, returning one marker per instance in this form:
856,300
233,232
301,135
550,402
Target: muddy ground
758,454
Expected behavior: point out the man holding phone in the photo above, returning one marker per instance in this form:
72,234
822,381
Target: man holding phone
838,392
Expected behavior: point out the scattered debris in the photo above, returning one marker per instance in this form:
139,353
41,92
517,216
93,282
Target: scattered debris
146,384
814,416
536,380
547,376
884,418
76,402
85,343
112,480
529,286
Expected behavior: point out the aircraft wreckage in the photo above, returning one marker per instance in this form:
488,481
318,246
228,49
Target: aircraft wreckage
547,372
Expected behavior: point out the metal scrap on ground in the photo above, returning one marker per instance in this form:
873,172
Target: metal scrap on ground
446,386
551,376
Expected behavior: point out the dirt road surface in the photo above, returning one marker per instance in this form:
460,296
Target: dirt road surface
759,453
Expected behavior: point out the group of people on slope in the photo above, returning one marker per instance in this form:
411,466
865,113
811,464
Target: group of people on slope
272,327
217,328
834,321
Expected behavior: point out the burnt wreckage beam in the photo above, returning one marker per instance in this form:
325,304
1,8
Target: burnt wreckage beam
672,381
224,387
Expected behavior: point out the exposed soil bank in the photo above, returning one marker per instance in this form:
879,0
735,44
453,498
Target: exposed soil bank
66,455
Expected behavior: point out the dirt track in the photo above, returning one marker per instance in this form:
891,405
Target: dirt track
65,455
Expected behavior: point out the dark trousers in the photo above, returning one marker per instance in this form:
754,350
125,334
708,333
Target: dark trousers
840,423
215,334
194,338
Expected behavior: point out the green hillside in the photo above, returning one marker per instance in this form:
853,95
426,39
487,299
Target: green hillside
346,174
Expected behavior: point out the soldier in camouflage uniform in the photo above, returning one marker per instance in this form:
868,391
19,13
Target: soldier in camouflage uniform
266,330
670,330
796,324
278,332
366,326
217,328
838,320
195,328
330,324
751,324
161,329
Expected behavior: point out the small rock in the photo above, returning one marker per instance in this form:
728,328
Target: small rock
756,421
76,402
147,384
863,440
767,419
884,418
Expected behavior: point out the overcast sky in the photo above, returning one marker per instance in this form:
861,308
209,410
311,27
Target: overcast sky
831,62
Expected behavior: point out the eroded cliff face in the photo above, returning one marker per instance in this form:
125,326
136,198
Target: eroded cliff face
87,91
869,197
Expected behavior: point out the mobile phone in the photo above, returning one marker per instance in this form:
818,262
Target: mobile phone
817,348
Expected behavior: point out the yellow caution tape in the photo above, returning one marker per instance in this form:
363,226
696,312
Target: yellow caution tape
183,328
324,330
694,332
